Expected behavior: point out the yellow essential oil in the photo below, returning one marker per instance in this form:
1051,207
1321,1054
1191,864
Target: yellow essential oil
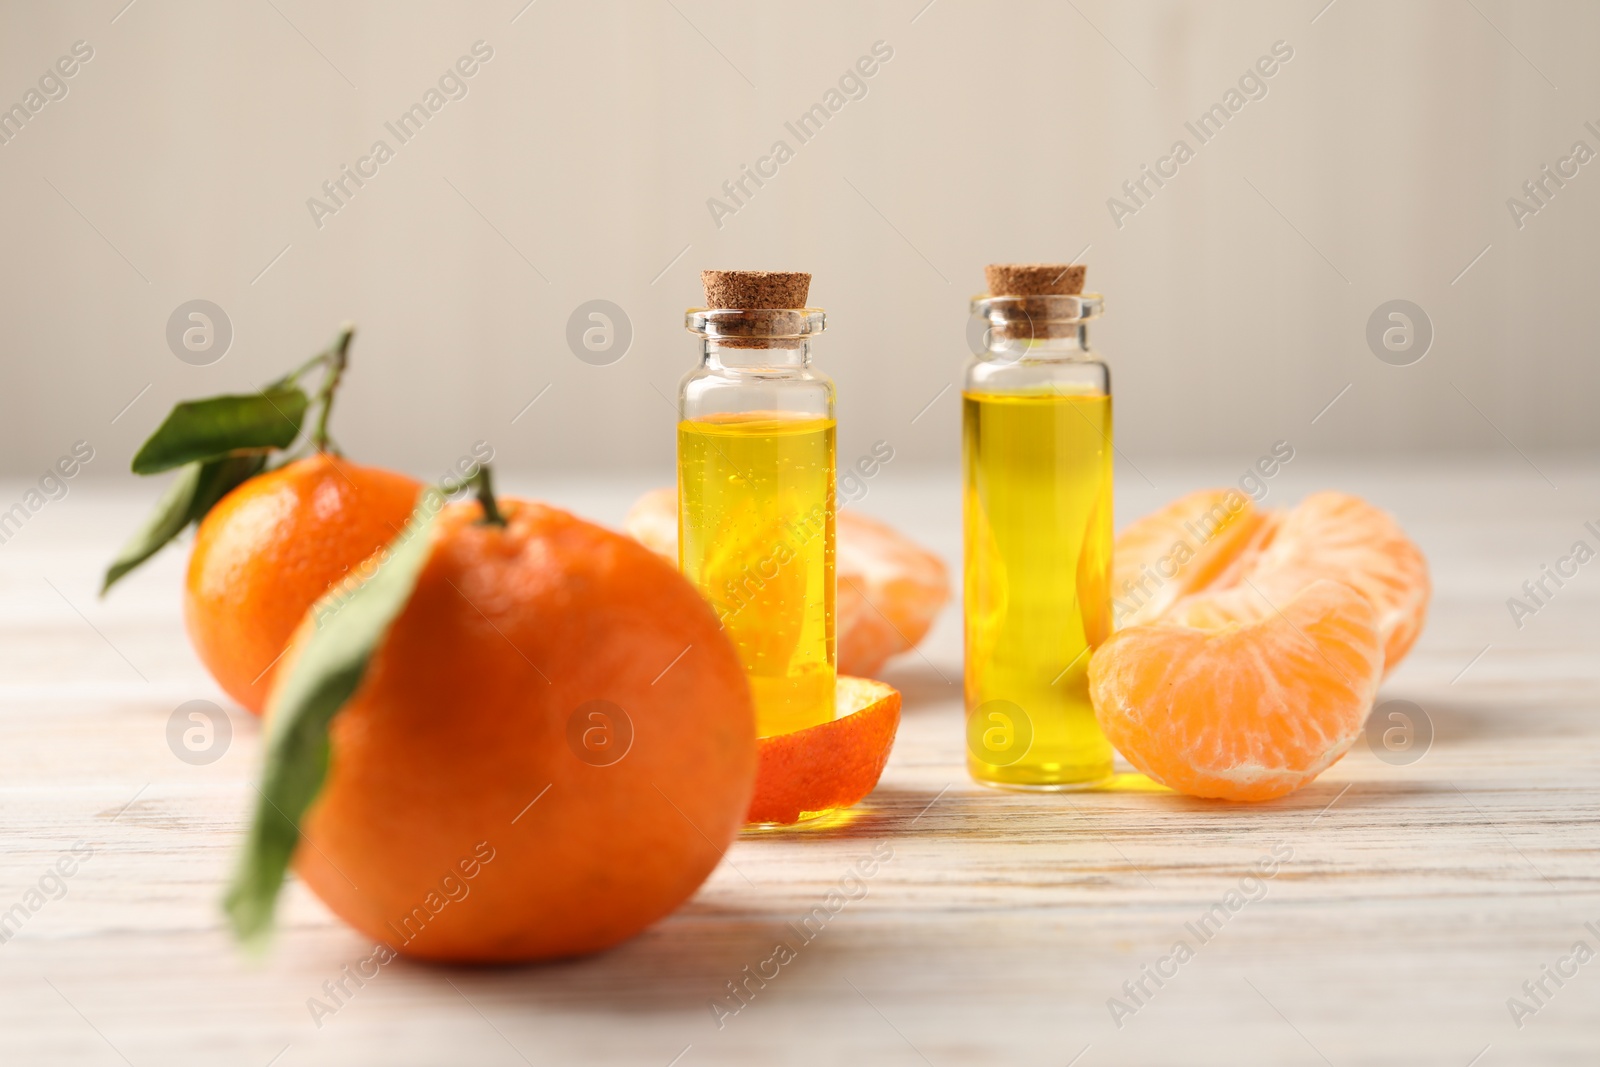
756,536
1037,503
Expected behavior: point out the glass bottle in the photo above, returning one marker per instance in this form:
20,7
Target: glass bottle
1037,464
756,503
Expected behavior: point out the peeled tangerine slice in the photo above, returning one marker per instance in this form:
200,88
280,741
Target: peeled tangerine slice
1231,696
890,589
1252,643
830,766
1214,539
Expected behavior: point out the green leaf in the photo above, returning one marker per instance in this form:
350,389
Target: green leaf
196,490
166,522
325,675
222,426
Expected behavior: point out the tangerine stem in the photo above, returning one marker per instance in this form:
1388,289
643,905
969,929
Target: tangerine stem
491,510
338,358
294,376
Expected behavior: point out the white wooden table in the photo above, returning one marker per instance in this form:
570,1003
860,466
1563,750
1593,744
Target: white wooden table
1418,898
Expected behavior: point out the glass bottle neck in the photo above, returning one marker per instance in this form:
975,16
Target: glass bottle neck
1074,344
718,355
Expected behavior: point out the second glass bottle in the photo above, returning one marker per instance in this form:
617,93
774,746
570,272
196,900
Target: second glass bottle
1036,454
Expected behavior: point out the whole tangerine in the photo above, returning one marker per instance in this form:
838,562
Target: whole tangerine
551,747
270,548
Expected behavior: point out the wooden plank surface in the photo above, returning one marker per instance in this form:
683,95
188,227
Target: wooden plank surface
1410,901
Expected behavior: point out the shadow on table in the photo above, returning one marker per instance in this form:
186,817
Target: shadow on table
680,964
1458,721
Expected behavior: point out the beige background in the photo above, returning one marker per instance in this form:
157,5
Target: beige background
579,164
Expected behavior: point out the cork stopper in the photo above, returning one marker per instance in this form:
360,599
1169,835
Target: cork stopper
1035,279
757,289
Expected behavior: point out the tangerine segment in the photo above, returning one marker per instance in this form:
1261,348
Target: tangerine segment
1344,538
890,591
831,765
1178,549
653,522
1250,706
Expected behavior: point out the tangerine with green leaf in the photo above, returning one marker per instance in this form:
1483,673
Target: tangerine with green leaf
269,541
476,805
